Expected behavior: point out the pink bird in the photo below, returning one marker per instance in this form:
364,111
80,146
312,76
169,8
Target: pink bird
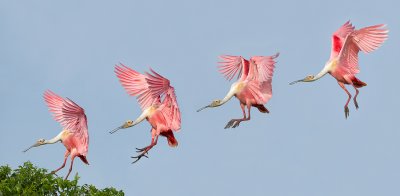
343,63
158,102
253,89
75,135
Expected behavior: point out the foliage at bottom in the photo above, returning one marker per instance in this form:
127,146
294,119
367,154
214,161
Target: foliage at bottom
30,180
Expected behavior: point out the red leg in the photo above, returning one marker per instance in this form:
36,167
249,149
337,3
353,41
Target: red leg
248,110
146,149
236,122
355,97
70,167
233,121
346,108
63,165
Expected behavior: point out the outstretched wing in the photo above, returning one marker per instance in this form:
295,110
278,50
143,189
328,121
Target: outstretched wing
136,84
367,40
160,87
70,115
232,65
262,67
261,71
255,89
339,37
173,108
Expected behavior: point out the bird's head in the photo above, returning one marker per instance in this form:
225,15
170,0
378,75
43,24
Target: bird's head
308,78
213,104
127,124
39,142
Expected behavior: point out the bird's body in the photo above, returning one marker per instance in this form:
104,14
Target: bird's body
160,124
245,95
341,75
73,145
343,62
158,101
254,87
74,136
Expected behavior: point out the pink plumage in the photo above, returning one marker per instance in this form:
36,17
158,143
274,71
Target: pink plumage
71,117
74,135
254,85
158,102
343,62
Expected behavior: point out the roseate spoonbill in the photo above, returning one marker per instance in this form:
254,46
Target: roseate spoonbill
343,62
74,136
158,102
254,87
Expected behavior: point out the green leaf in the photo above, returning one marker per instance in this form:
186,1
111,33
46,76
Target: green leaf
30,180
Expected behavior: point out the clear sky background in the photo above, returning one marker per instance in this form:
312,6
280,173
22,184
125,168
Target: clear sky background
305,146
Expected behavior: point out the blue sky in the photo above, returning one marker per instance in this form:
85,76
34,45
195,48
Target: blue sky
303,147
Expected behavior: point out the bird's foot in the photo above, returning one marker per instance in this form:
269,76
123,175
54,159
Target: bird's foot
143,149
143,154
233,123
346,111
356,104
53,173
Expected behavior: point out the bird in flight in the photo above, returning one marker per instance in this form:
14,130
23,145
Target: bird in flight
158,102
254,85
347,42
74,135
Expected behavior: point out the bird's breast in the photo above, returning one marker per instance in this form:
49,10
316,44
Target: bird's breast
332,65
65,134
157,119
238,87
151,111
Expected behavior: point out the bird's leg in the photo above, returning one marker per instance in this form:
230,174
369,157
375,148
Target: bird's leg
233,121
244,119
355,97
70,167
63,165
145,150
153,135
346,108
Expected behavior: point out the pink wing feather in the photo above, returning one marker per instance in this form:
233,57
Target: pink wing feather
160,87
174,113
255,89
261,71
232,65
135,84
70,116
339,37
262,67
367,40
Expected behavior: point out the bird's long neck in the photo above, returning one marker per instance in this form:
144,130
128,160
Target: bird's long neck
147,112
55,139
228,96
324,71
